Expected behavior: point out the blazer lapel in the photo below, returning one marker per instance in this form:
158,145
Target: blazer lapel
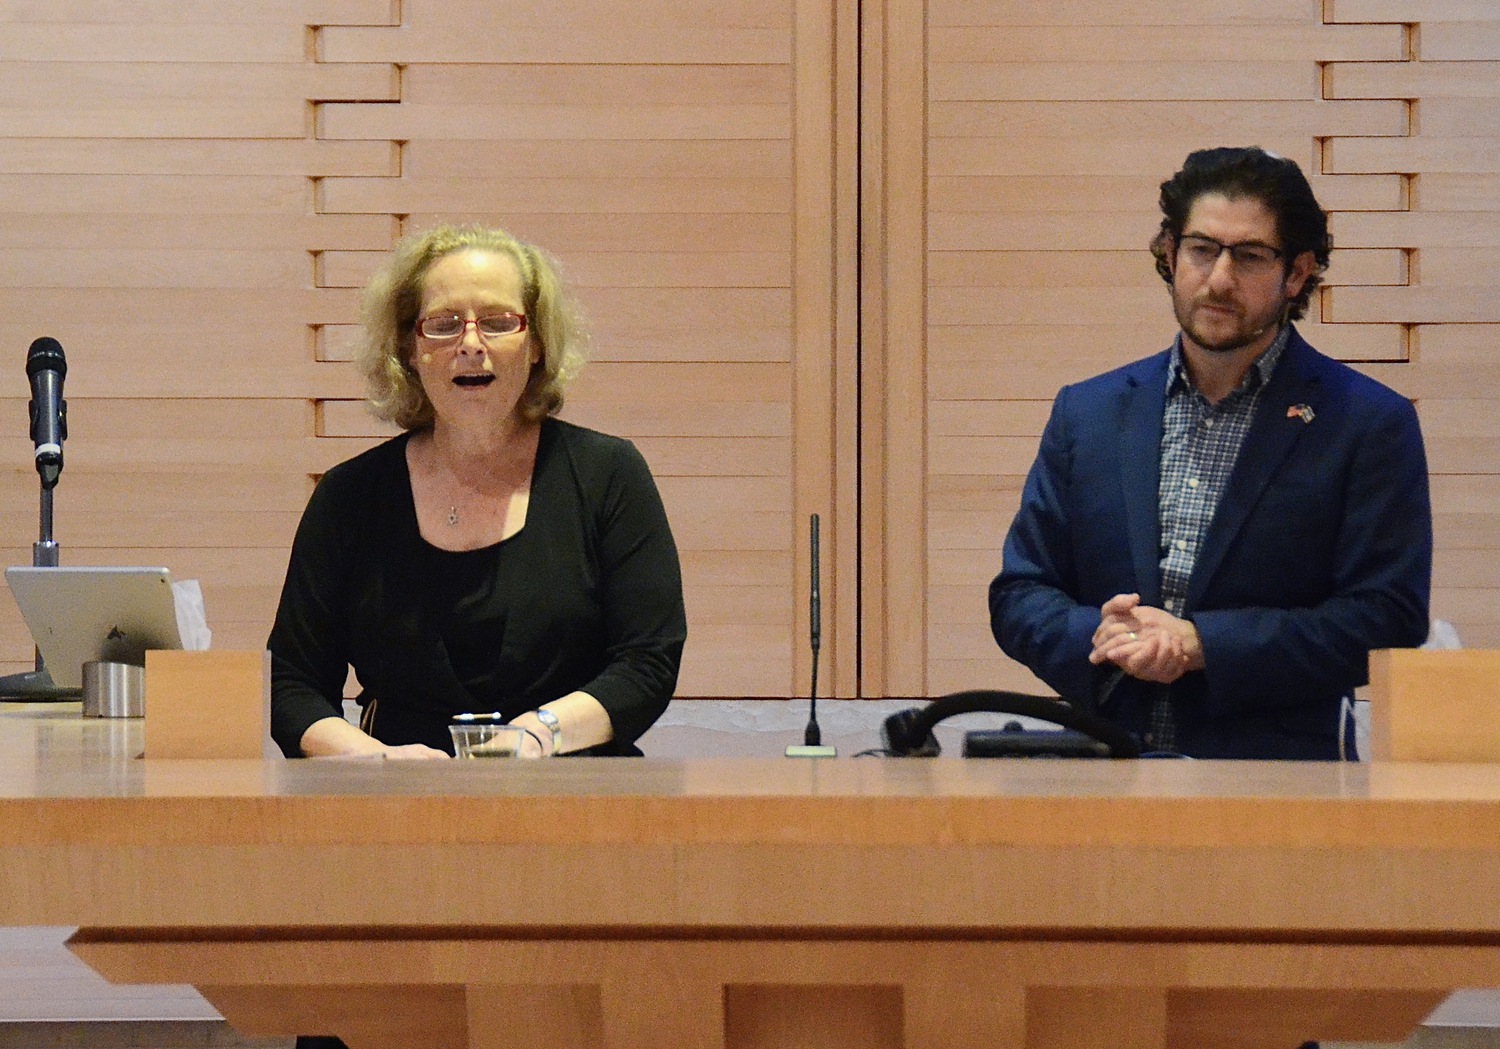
1140,472
1273,434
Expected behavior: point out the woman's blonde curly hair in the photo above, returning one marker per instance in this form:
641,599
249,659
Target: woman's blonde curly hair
393,299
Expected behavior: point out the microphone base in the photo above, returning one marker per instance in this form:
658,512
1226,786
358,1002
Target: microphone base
804,751
34,686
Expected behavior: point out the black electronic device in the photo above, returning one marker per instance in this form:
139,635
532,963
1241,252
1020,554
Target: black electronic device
908,733
1017,741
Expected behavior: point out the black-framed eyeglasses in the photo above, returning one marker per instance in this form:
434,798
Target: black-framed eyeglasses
448,327
1249,257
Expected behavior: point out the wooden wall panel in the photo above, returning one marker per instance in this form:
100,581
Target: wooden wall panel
1049,129
838,257
191,196
894,157
679,160
1451,234
157,190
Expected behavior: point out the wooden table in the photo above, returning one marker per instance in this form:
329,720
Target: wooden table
871,903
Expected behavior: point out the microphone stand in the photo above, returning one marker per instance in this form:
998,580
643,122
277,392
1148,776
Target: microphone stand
36,686
812,738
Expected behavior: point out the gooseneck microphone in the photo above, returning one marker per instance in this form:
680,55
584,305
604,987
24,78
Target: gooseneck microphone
812,736
46,368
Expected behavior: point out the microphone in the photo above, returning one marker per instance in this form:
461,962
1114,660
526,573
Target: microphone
46,367
812,737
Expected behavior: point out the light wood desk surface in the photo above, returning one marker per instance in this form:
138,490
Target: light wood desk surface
1172,883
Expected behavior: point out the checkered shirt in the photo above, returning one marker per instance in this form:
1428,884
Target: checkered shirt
1199,446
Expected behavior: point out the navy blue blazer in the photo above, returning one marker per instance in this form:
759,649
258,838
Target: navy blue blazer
1320,550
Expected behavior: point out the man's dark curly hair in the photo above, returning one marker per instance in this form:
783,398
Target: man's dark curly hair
1239,172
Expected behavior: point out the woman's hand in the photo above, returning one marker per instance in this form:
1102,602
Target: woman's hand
531,746
414,752
333,737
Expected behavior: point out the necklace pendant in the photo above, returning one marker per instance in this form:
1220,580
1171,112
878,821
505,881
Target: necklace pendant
452,516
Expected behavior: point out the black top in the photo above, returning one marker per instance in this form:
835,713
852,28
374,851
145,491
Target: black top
587,596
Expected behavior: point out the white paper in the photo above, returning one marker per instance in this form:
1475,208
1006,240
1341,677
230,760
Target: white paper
192,621
1442,635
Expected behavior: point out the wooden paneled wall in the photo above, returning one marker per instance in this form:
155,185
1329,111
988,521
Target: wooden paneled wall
838,258
158,176
1049,129
678,157
1449,303
193,193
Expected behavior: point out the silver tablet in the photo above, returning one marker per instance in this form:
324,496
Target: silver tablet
82,614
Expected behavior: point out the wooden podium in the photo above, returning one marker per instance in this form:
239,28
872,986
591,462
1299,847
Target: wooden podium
737,904
1439,705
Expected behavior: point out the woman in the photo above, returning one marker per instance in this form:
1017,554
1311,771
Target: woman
490,558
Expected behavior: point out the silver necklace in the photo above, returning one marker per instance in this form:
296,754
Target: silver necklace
452,516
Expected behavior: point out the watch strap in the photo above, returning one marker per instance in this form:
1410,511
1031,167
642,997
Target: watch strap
552,725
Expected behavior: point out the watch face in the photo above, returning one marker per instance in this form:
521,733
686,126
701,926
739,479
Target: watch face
553,726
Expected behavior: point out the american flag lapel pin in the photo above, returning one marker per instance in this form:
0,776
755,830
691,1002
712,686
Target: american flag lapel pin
1300,411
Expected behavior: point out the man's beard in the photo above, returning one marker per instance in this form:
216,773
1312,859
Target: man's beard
1237,339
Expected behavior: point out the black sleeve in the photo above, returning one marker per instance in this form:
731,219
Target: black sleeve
641,582
309,641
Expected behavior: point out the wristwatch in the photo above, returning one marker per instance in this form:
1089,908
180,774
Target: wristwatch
551,724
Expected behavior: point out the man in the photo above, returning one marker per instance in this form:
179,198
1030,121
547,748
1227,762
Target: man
1212,539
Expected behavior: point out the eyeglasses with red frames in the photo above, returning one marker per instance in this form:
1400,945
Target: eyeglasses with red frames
450,327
